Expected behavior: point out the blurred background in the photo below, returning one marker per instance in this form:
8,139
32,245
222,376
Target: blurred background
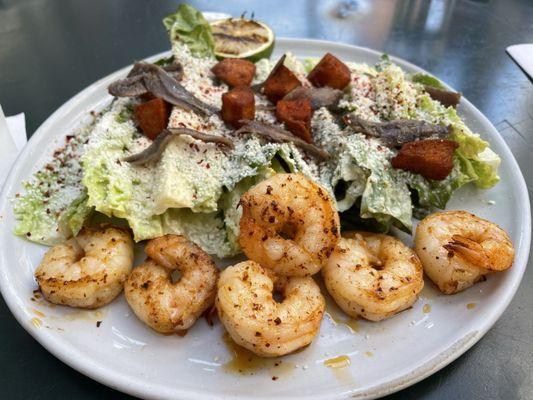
52,49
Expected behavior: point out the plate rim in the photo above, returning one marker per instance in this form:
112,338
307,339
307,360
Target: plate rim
124,383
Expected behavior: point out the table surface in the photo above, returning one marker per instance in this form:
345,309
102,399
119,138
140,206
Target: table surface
50,50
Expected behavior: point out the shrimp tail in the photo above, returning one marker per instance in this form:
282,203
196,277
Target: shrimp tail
469,250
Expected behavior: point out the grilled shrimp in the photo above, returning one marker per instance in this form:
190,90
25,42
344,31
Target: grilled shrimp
458,249
289,224
372,275
87,271
162,304
256,321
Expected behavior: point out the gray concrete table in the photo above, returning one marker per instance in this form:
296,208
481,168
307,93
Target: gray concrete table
50,50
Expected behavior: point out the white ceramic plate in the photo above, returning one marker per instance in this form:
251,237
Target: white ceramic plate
385,357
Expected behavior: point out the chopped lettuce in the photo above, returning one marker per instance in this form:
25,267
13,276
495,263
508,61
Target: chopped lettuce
425,79
205,229
386,198
232,213
431,193
72,219
163,62
481,165
477,161
310,63
383,63
109,186
188,25
54,205
351,220
362,166
34,221
182,178
262,69
395,96
253,154
38,224
294,64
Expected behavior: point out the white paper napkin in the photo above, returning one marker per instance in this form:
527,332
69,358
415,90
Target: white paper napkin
12,141
523,55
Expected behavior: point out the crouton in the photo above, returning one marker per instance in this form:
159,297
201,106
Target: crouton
433,158
330,71
235,71
152,116
296,115
280,83
238,104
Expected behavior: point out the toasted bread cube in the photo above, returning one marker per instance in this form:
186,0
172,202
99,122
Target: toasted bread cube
152,116
238,104
296,115
280,83
433,158
330,71
235,71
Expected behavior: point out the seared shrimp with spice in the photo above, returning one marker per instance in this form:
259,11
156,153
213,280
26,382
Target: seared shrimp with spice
255,320
87,271
373,276
458,249
289,224
166,305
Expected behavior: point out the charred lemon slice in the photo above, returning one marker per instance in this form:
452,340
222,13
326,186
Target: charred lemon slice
242,38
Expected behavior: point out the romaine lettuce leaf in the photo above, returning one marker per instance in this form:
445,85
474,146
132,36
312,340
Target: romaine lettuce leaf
34,222
189,26
477,160
38,225
351,220
207,230
426,79
363,167
253,154
141,194
72,219
232,213
294,64
309,63
431,193
54,206
395,96
383,63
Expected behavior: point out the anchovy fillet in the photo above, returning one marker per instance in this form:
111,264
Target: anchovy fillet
319,97
397,132
280,135
158,146
149,78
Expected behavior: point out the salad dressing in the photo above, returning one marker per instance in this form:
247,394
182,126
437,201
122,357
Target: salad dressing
245,362
36,322
339,318
338,362
335,314
37,312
